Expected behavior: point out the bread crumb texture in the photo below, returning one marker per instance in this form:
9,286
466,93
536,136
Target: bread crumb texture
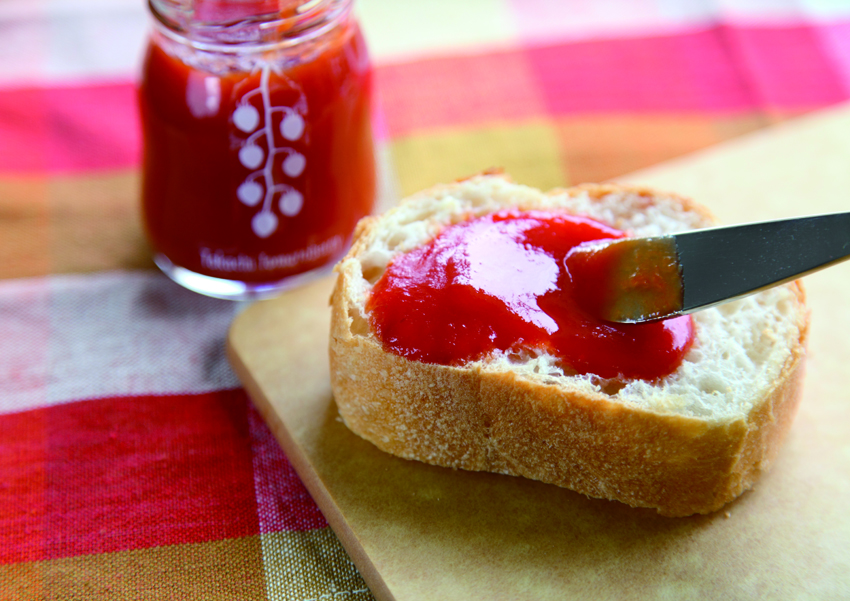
687,443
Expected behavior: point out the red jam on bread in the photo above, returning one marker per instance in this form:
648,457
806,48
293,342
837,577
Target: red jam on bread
499,283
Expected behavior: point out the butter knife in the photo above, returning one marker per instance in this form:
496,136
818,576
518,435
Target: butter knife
634,280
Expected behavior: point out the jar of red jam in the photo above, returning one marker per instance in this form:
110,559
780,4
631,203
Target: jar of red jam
258,157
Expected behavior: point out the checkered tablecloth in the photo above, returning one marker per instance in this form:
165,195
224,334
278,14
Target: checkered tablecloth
132,464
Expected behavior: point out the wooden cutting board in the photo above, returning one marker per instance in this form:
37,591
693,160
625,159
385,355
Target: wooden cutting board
418,532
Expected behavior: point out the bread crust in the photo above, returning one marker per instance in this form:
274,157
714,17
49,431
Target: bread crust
480,418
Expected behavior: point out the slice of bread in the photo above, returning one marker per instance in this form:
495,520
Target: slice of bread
688,443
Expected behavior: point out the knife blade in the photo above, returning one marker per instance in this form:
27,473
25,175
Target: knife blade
634,280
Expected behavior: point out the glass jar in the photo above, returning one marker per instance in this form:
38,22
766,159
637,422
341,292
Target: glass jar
258,158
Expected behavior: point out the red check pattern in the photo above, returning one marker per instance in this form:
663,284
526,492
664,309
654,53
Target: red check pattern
132,465
69,128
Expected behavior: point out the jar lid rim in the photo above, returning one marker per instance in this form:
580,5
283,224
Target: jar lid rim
252,33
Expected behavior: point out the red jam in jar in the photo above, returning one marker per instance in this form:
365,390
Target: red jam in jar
258,155
499,283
